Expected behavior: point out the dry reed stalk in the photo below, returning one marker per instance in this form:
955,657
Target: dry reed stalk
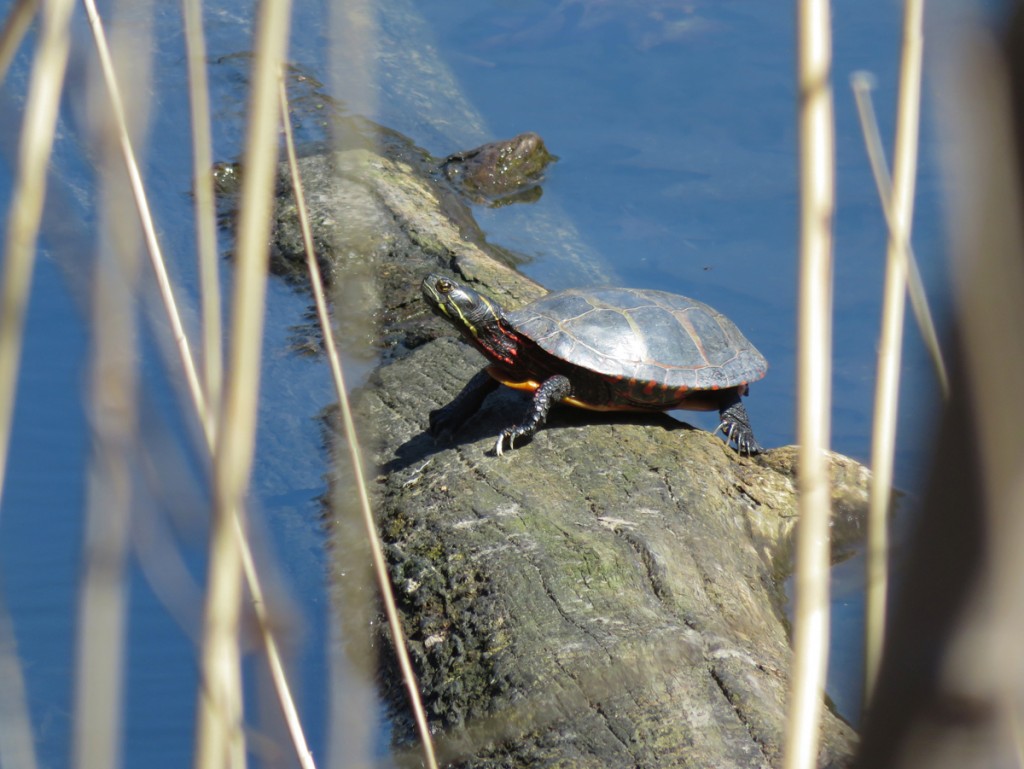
355,452
861,82
103,592
45,85
899,214
142,206
358,52
113,384
1012,716
15,26
17,745
273,652
35,144
205,406
219,736
230,680
219,739
206,218
814,373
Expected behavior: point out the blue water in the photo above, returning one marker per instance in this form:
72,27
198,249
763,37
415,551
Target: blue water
675,125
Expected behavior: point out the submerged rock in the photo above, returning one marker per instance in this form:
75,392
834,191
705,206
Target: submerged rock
502,172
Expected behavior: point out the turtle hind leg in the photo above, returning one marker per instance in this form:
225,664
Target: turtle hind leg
446,421
735,425
548,394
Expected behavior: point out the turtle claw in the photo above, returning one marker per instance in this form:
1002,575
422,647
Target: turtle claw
735,427
743,439
508,433
553,390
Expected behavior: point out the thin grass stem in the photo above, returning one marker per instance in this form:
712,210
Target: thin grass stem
355,452
35,145
36,142
206,218
862,84
15,26
16,743
204,405
221,681
142,207
814,374
103,591
274,660
1012,718
218,741
112,407
219,735
899,215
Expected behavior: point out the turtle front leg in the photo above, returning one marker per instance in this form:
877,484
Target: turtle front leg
548,394
446,421
735,425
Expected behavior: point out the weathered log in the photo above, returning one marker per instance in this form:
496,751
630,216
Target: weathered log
607,595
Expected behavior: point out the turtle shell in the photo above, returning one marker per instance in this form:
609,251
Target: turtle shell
642,336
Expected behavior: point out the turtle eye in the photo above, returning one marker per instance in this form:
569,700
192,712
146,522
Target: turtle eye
444,286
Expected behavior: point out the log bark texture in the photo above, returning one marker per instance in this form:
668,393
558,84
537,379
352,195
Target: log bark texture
606,595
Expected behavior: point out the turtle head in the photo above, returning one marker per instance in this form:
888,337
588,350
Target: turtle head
478,318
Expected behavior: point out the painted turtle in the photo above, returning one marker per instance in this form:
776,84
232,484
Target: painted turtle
604,349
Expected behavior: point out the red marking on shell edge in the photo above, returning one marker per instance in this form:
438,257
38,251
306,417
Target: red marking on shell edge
508,359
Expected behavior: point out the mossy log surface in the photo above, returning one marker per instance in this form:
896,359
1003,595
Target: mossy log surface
605,595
